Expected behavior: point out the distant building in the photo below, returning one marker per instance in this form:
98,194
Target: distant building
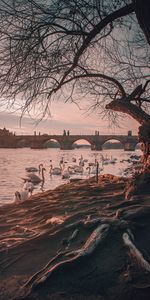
4,132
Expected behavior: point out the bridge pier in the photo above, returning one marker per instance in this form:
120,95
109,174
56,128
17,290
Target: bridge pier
8,142
129,146
96,147
37,145
66,145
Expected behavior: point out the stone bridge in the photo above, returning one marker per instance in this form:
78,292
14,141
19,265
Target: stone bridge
66,142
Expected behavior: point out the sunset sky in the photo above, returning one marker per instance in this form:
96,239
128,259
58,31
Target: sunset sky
65,116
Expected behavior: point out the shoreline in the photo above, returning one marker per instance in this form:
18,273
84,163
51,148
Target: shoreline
37,230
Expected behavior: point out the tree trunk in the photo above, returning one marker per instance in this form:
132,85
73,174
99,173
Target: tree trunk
144,137
141,117
142,10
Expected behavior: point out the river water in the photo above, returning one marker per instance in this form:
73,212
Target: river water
14,161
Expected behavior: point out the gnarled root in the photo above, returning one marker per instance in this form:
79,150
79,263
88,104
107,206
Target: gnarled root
67,258
135,254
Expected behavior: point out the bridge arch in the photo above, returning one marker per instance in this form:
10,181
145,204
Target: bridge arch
23,142
51,143
81,143
112,143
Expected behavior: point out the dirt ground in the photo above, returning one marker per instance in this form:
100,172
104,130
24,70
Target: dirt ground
36,235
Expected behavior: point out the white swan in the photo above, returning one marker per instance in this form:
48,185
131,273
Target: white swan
93,170
78,169
55,171
105,161
31,169
71,170
36,179
66,174
112,160
28,185
34,169
81,161
21,196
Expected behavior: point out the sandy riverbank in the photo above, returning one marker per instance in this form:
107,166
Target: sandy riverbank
36,235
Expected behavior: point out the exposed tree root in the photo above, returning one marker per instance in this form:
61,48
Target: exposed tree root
135,254
97,236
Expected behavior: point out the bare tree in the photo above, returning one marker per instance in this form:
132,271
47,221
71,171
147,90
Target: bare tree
66,48
97,49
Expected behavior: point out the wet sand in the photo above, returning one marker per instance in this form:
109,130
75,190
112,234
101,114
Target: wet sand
36,235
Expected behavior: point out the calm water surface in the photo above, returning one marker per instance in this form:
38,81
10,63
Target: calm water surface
14,161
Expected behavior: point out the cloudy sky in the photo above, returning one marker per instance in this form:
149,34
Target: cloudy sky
64,116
